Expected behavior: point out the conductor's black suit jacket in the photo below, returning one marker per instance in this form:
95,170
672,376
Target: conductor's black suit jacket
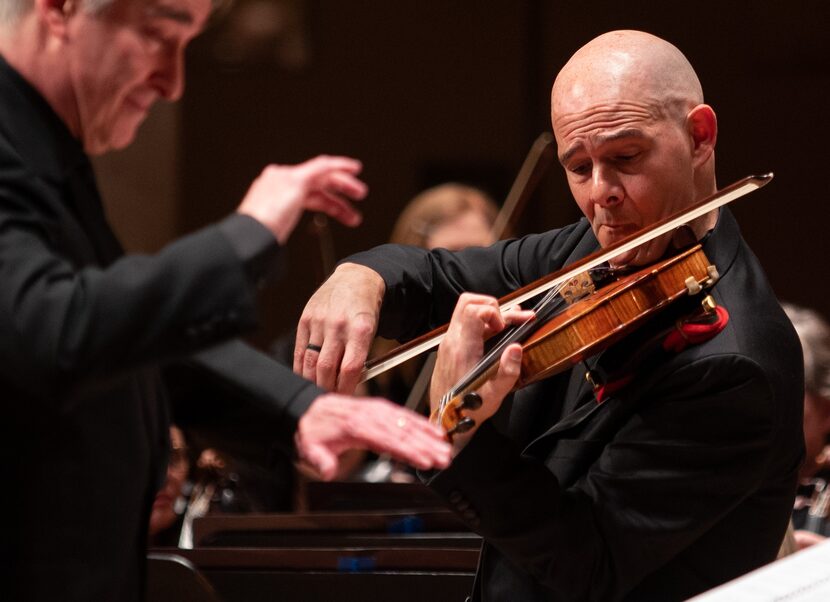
83,331
679,481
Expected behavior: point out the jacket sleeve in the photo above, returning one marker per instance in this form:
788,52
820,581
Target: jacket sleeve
686,458
278,397
65,323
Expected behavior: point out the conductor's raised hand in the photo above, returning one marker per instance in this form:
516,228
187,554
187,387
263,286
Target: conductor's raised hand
278,197
336,423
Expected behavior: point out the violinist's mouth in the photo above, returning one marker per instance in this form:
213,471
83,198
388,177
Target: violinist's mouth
617,231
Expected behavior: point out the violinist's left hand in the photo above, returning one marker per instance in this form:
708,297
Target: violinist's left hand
475,318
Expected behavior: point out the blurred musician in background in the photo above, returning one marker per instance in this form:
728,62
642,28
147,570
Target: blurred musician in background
168,507
449,216
812,502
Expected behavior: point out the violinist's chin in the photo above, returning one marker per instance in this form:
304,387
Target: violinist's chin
645,254
623,260
609,234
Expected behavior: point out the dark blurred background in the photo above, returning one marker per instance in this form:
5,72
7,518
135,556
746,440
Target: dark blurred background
425,92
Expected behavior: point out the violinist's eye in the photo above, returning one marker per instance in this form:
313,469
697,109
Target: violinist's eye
581,169
628,157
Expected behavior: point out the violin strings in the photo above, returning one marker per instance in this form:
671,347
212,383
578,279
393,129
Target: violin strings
543,310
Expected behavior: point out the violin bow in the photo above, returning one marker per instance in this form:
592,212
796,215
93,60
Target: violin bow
722,197
538,160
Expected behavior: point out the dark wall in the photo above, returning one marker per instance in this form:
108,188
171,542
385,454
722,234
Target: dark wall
429,91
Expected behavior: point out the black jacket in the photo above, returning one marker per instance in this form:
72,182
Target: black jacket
682,480
83,331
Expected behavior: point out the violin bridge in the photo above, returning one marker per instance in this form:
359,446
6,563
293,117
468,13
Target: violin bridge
577,287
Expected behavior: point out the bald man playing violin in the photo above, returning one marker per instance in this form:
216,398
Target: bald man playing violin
673,470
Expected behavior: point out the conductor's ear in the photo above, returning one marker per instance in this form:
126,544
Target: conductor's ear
703,128
55,14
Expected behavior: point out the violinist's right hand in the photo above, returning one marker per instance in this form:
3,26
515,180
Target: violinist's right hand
476,318
337,327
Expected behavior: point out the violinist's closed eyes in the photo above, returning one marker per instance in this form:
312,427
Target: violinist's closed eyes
656,469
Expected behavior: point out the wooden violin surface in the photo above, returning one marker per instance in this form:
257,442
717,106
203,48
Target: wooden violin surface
590,325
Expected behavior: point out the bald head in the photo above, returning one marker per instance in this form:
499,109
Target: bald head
621,66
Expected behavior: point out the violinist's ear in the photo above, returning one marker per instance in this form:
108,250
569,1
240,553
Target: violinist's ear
702,124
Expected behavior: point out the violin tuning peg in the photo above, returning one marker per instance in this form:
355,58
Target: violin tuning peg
462,426
471,401
712,271
692,286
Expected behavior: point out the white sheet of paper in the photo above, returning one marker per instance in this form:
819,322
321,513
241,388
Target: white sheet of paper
800,577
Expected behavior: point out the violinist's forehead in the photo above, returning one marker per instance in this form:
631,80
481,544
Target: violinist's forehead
605,122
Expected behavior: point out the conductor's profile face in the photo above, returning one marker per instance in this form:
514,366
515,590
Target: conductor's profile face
124,58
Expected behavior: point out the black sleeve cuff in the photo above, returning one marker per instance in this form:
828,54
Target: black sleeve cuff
264,382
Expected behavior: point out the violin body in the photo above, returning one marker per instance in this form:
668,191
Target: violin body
599,320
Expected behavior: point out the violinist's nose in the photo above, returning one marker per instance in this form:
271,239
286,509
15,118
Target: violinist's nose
606,189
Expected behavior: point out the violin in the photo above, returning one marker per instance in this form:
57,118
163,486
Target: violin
593,319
